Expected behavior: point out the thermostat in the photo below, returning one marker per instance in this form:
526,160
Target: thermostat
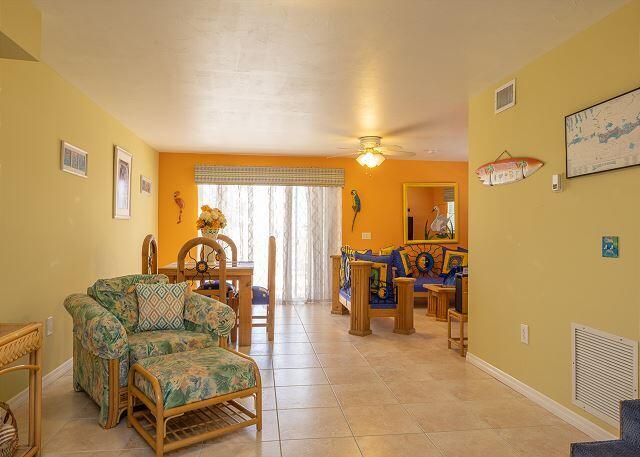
556,183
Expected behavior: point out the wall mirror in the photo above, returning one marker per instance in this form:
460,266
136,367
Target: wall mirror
430,212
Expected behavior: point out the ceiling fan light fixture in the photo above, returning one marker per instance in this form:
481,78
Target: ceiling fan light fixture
370,159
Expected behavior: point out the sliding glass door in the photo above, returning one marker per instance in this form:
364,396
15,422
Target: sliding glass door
306,222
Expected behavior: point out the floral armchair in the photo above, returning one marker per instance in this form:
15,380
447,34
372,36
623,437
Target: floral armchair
106,344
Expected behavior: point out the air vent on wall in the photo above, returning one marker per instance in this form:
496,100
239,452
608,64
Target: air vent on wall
605,371
505,96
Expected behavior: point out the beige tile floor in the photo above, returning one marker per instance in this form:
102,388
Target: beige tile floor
330,394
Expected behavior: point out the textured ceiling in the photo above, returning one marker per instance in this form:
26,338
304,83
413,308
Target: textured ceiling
300,77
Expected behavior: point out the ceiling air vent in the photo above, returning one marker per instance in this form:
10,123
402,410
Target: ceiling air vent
505,96
605,371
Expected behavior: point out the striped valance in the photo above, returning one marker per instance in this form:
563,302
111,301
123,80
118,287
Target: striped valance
270,176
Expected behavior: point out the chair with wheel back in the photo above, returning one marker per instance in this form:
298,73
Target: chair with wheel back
207,266
150,255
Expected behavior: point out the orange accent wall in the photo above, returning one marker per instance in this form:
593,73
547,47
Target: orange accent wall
380,191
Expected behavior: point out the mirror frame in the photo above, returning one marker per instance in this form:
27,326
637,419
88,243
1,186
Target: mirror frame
456,228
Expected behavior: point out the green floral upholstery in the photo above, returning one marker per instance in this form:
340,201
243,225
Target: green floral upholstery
203,314
118,295
97,329
104,329
161,342
188,377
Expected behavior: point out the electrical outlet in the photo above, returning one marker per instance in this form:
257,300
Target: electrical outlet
524,333
366,235
49,326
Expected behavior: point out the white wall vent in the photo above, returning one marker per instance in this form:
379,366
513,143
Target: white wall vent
505,96
605,371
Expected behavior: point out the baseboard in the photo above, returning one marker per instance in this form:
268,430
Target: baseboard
584,425
47,379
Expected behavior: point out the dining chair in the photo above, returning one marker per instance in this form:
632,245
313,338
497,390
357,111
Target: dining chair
267,296
201,268
231,251
150,255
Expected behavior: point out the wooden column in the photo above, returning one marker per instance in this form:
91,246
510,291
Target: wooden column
360,273
336,306
403,322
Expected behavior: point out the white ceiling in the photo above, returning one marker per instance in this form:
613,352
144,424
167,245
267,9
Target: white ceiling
300,77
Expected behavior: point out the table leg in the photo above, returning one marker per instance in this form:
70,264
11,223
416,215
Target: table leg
442,307
244,308
432,299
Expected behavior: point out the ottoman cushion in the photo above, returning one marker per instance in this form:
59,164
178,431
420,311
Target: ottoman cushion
201,374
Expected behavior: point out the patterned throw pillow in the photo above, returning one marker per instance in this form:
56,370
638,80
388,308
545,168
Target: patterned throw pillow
161,306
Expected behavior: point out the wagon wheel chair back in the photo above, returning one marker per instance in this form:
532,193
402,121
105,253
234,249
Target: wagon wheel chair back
207,266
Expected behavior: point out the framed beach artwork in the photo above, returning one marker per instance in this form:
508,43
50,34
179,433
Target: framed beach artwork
73,159
121,183
145,185
604,137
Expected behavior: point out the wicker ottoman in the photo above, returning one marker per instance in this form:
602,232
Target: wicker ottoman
179,399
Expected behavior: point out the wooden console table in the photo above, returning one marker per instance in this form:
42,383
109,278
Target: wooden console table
17,341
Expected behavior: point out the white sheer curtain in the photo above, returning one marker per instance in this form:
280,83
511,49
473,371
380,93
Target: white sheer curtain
306,222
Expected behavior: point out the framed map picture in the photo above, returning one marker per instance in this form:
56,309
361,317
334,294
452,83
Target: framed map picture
121,183
605,136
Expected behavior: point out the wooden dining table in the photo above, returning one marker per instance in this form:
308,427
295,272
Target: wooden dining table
240,271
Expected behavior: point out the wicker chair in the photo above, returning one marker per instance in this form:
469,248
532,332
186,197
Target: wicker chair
106,343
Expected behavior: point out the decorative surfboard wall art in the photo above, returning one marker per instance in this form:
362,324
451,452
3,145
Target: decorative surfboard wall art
508,170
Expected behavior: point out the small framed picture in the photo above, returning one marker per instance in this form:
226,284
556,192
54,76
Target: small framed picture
145,185
610,246
73,159
121,183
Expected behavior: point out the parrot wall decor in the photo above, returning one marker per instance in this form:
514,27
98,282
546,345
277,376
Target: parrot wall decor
356,205
180,202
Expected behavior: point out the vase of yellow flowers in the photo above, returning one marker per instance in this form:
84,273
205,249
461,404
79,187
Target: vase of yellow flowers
211,221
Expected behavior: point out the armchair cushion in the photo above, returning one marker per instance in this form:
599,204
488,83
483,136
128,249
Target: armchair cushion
204,314
162,342
118,295
96,328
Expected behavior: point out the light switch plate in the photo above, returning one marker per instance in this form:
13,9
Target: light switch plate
366,235
49,326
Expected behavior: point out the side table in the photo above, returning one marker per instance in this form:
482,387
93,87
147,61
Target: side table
17,341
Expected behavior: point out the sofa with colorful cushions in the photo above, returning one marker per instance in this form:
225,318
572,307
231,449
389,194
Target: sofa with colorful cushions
108,340
363,286
427,263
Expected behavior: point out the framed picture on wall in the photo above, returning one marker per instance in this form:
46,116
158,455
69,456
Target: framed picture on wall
73,159
121,183
604,137
145,185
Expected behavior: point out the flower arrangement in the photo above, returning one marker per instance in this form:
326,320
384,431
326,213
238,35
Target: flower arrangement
211,219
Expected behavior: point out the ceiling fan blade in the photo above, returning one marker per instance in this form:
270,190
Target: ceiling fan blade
399,153
344,154
390,148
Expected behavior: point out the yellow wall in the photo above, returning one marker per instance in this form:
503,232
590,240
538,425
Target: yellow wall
535,254
380,191
57,235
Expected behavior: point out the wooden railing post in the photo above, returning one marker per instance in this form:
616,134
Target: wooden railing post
403,321
336,306
360,273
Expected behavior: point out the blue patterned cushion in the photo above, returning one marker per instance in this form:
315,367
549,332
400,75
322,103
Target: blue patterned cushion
381,274
161,306
260,295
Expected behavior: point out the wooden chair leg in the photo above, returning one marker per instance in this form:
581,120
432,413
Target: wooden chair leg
461,337
449,330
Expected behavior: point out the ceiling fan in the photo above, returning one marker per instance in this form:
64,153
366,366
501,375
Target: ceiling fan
372,153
